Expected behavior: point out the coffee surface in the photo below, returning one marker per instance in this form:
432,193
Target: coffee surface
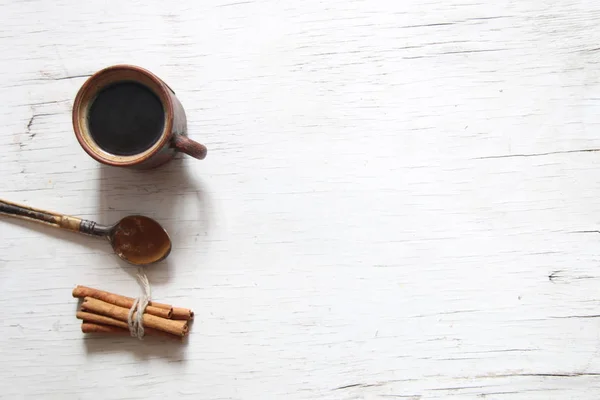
126,118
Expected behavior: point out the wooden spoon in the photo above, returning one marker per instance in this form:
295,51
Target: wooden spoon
136,239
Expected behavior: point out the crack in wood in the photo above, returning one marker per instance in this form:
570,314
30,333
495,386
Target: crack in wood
537,154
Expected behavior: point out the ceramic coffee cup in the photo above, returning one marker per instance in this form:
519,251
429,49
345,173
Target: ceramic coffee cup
125,116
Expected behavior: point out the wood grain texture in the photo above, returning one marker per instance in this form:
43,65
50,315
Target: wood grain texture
400,199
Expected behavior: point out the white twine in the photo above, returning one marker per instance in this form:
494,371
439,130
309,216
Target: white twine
136,324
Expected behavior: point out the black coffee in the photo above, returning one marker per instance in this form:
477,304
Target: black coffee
126,118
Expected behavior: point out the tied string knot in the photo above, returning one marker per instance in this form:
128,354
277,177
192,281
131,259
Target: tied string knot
136,322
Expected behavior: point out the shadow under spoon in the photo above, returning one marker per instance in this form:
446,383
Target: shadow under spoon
136,239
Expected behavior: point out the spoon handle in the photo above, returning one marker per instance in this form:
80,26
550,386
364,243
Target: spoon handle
46,217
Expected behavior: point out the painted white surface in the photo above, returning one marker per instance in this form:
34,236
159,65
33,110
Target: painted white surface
401,199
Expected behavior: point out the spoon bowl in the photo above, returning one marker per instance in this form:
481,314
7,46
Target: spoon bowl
139,240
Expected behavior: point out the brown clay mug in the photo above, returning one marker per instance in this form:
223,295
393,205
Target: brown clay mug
125,116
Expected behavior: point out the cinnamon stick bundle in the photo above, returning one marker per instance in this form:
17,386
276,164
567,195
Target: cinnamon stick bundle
107,313
174,327
158,309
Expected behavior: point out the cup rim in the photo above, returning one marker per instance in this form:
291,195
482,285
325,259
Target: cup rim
80,124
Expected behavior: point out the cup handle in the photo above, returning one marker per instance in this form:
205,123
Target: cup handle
188,146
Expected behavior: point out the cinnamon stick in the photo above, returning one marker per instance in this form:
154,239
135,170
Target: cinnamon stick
160,305
121,301
90,327
174,327
178,312
102,320
182,313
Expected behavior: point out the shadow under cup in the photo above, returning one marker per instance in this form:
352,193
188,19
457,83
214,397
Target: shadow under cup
126,116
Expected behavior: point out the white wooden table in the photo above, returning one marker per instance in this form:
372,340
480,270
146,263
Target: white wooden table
401,199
